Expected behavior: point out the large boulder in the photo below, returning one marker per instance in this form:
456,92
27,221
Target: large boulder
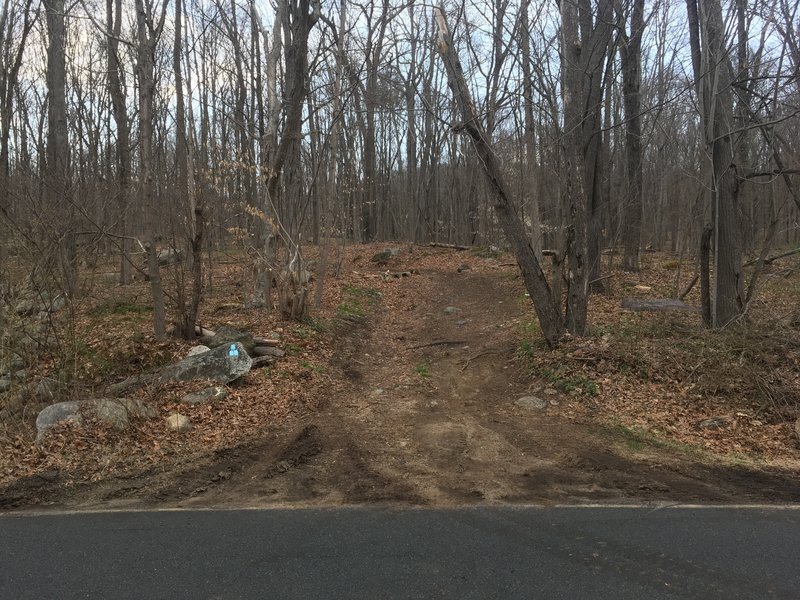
225,336
198,350
57,413
222,364
116,412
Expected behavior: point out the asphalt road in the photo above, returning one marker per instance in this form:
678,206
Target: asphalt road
482,553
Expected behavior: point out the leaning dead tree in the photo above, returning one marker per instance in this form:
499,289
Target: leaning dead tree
532,274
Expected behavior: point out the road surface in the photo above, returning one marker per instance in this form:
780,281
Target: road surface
373,553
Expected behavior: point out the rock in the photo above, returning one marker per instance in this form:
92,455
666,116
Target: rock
268,351
462,322
57,413
112,413
26,307
21,375
138,408
720,422
5,385
531,402
198,350
178,422
206,395
223,364
228,335
450,310
14,364
46,389
550,392
56,304
382,258
376,393
262,361
115,413
169,256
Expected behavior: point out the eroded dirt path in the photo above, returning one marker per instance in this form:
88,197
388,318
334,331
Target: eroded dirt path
428,418
423,414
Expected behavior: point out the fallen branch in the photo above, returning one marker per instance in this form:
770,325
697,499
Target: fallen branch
439,343
451,246
689,287
657,305
771,259
610,275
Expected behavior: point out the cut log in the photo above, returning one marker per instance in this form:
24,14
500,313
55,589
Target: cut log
657,305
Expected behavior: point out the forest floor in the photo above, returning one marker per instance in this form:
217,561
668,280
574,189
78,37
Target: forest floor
403,390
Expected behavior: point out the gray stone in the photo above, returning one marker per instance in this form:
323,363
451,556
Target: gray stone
531,402
262,361
21,375
382,258
198,350
46,389
60,412
138,408
112,413
169,256
5,385
228,335
268,351
116,412
715,423
462,322
178,422
206,395
550,392
223,364
14,364
451,310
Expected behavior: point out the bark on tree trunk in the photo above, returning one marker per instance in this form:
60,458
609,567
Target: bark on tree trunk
631,57
147,37
58,180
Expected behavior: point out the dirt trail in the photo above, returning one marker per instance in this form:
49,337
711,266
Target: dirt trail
425,415
428,418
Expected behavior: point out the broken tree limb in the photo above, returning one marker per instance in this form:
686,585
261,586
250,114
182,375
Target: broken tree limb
657,305
689,287
451,246
769,260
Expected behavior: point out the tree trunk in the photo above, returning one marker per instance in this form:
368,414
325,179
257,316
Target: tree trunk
147,37
631,57
58,181
532,274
